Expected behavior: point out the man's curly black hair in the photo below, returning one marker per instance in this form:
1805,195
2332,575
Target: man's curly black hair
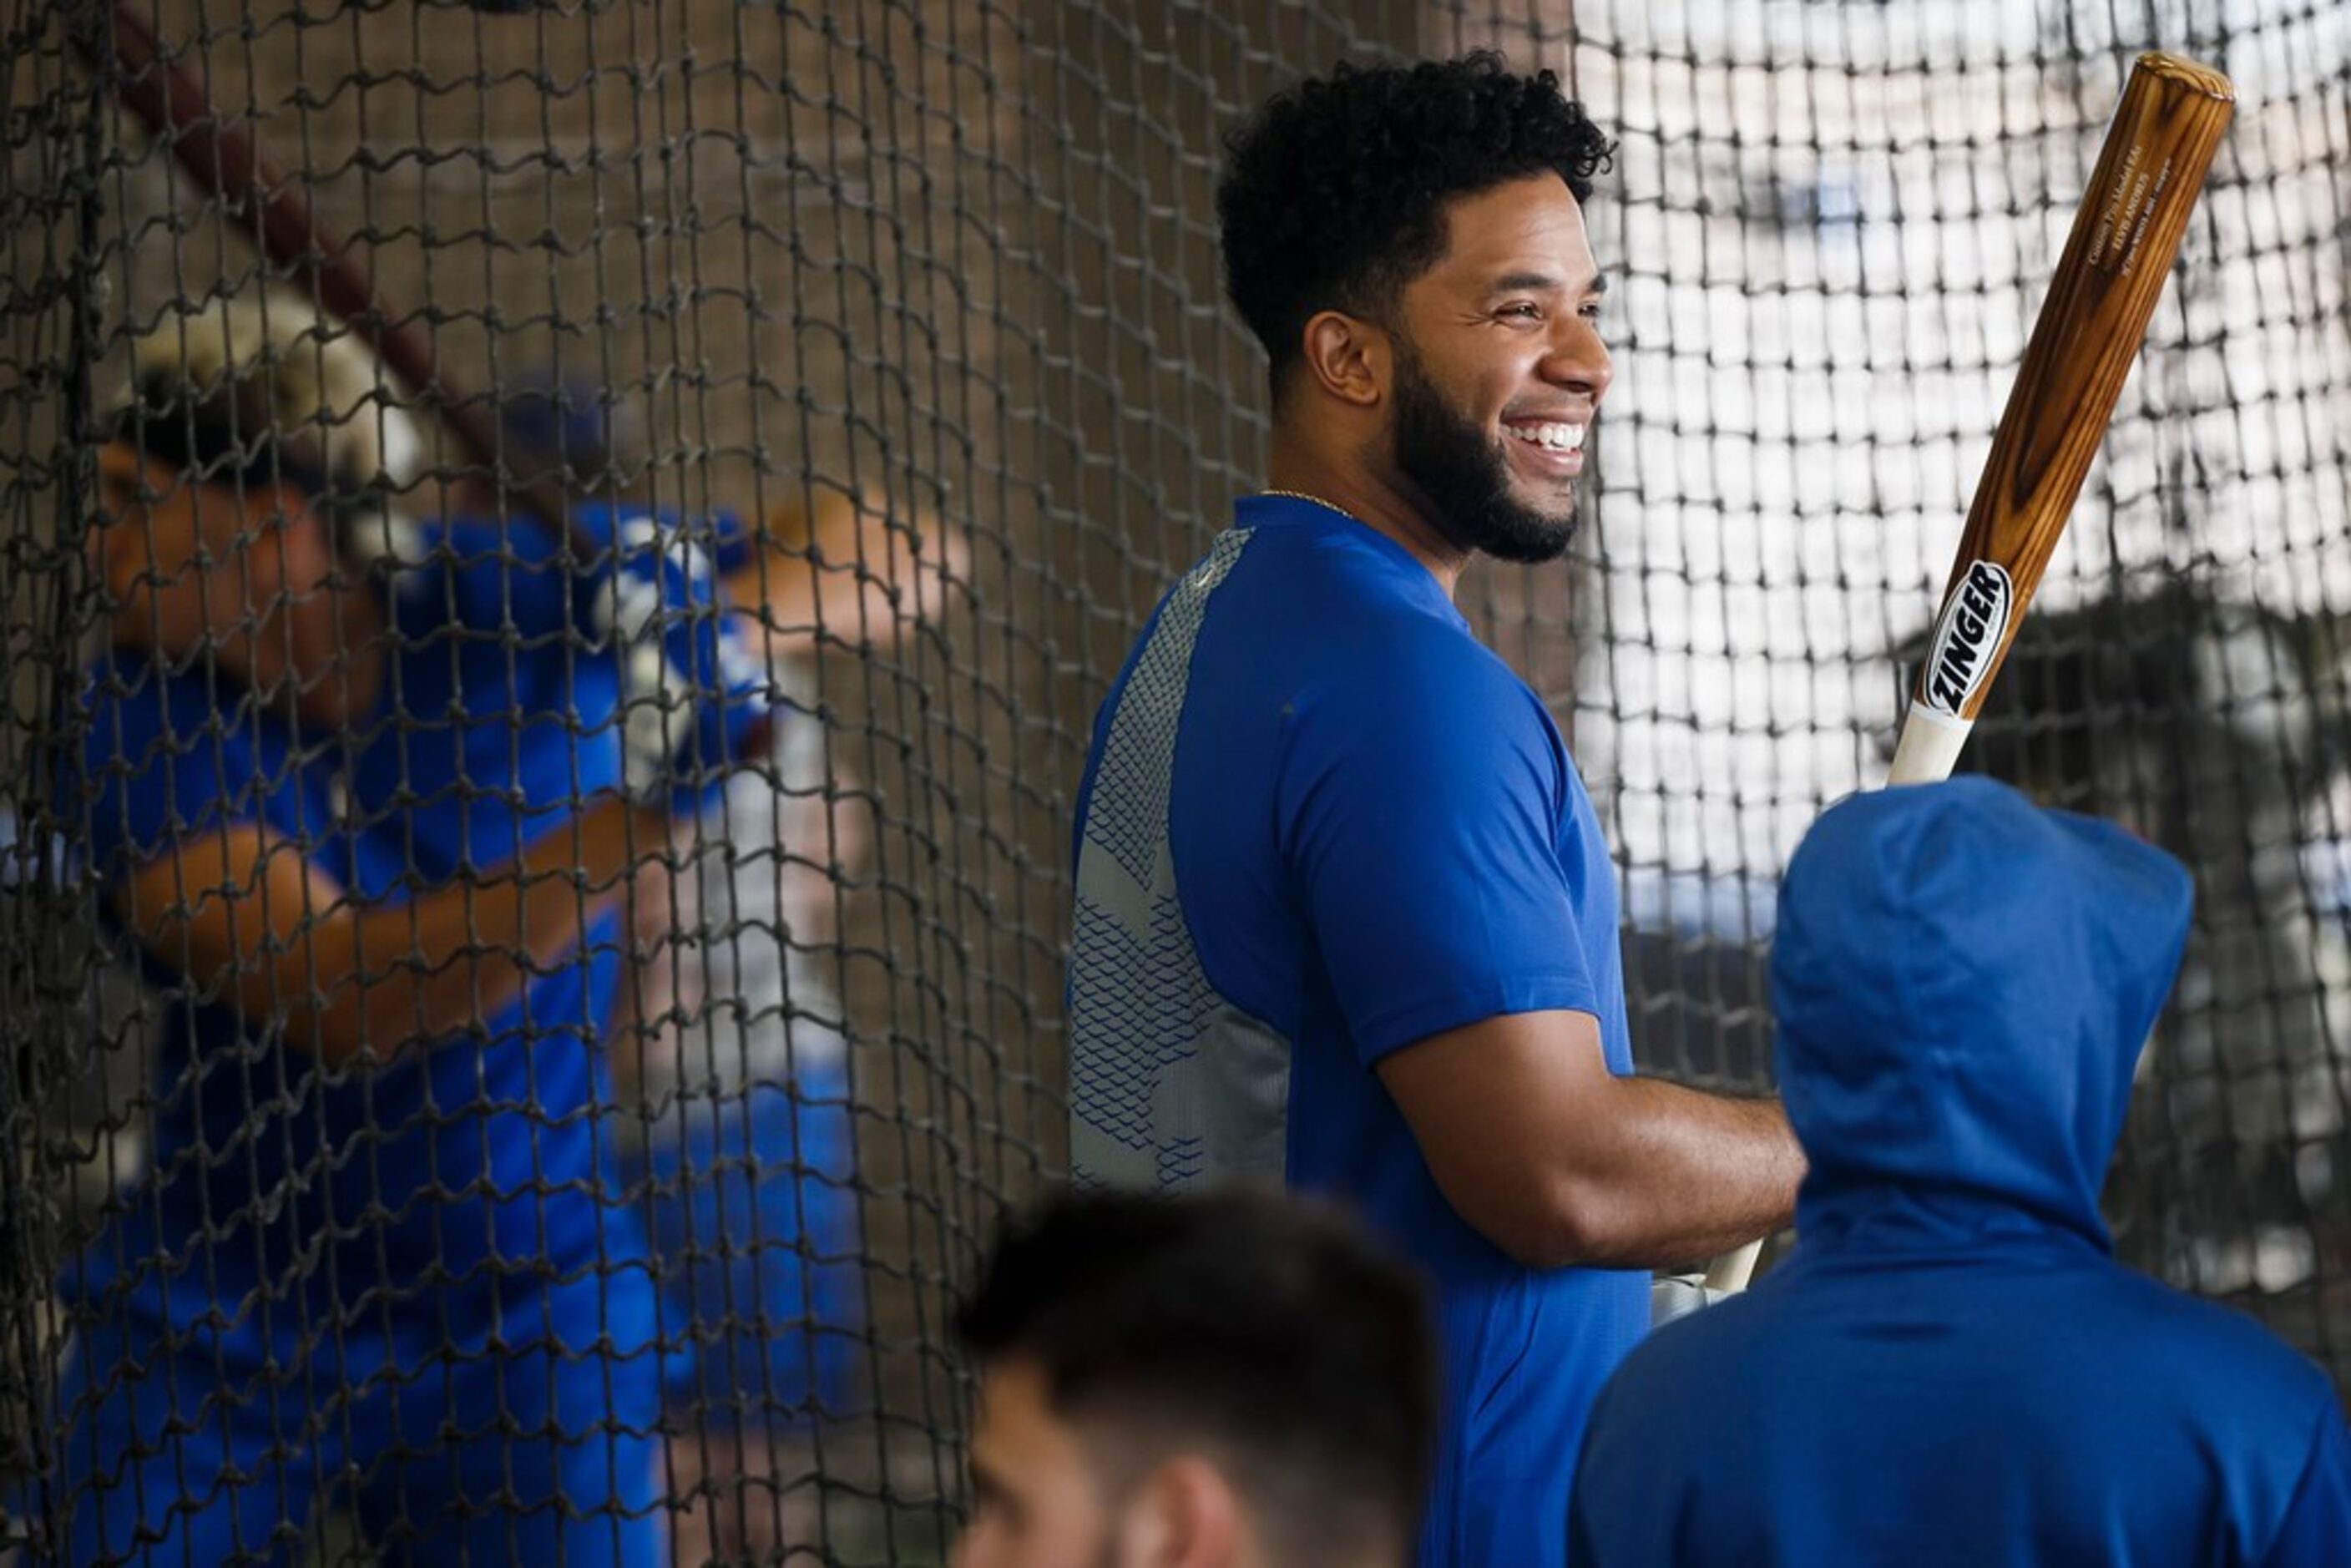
1334,193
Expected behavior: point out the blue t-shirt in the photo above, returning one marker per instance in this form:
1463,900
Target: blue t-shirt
456,1191
1321,823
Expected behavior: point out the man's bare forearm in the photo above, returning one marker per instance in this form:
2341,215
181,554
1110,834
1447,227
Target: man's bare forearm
466,951
1679,1175
1557,1161
246,912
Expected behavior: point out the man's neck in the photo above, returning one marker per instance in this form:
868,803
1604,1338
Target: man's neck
1378,500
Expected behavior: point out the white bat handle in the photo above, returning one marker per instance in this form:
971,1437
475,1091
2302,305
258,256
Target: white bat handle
1931,743
1730,1271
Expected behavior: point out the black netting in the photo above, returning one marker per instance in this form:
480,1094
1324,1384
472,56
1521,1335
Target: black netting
315,478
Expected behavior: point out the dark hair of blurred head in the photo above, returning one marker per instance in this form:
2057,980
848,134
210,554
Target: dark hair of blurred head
1268,1333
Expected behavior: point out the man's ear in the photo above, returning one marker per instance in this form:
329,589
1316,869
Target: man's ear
1185,1514
1344,357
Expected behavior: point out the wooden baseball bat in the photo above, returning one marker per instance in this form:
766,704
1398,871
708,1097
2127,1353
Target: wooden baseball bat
2126,234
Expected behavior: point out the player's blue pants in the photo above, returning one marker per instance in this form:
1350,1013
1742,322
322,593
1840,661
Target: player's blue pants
755,1220
190,1449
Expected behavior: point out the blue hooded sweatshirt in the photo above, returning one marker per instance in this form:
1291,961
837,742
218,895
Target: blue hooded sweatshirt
1950,1367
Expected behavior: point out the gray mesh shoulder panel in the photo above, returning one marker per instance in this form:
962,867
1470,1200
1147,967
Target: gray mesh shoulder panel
1170,1084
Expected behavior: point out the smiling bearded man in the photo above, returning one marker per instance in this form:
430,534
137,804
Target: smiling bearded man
1344,912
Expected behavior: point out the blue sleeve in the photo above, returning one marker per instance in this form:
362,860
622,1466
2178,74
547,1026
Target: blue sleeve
161,760
501,573
1419,815
2318,1526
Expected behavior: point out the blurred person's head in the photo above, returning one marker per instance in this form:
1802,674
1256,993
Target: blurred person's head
258,456
1408,242
246,577
1233,1378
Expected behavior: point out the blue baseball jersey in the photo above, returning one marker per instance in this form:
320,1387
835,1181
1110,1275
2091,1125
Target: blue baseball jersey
1319,822
418,1205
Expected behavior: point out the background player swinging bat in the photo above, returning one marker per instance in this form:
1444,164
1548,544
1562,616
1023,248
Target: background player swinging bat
2126,234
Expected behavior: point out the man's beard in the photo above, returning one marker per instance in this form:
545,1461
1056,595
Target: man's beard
1446,458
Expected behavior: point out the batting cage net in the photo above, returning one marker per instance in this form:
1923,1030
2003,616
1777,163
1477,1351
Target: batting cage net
448,1109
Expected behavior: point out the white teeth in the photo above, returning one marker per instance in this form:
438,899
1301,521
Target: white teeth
1555,436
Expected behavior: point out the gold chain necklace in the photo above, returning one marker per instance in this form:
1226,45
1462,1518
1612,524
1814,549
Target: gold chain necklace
1314,500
